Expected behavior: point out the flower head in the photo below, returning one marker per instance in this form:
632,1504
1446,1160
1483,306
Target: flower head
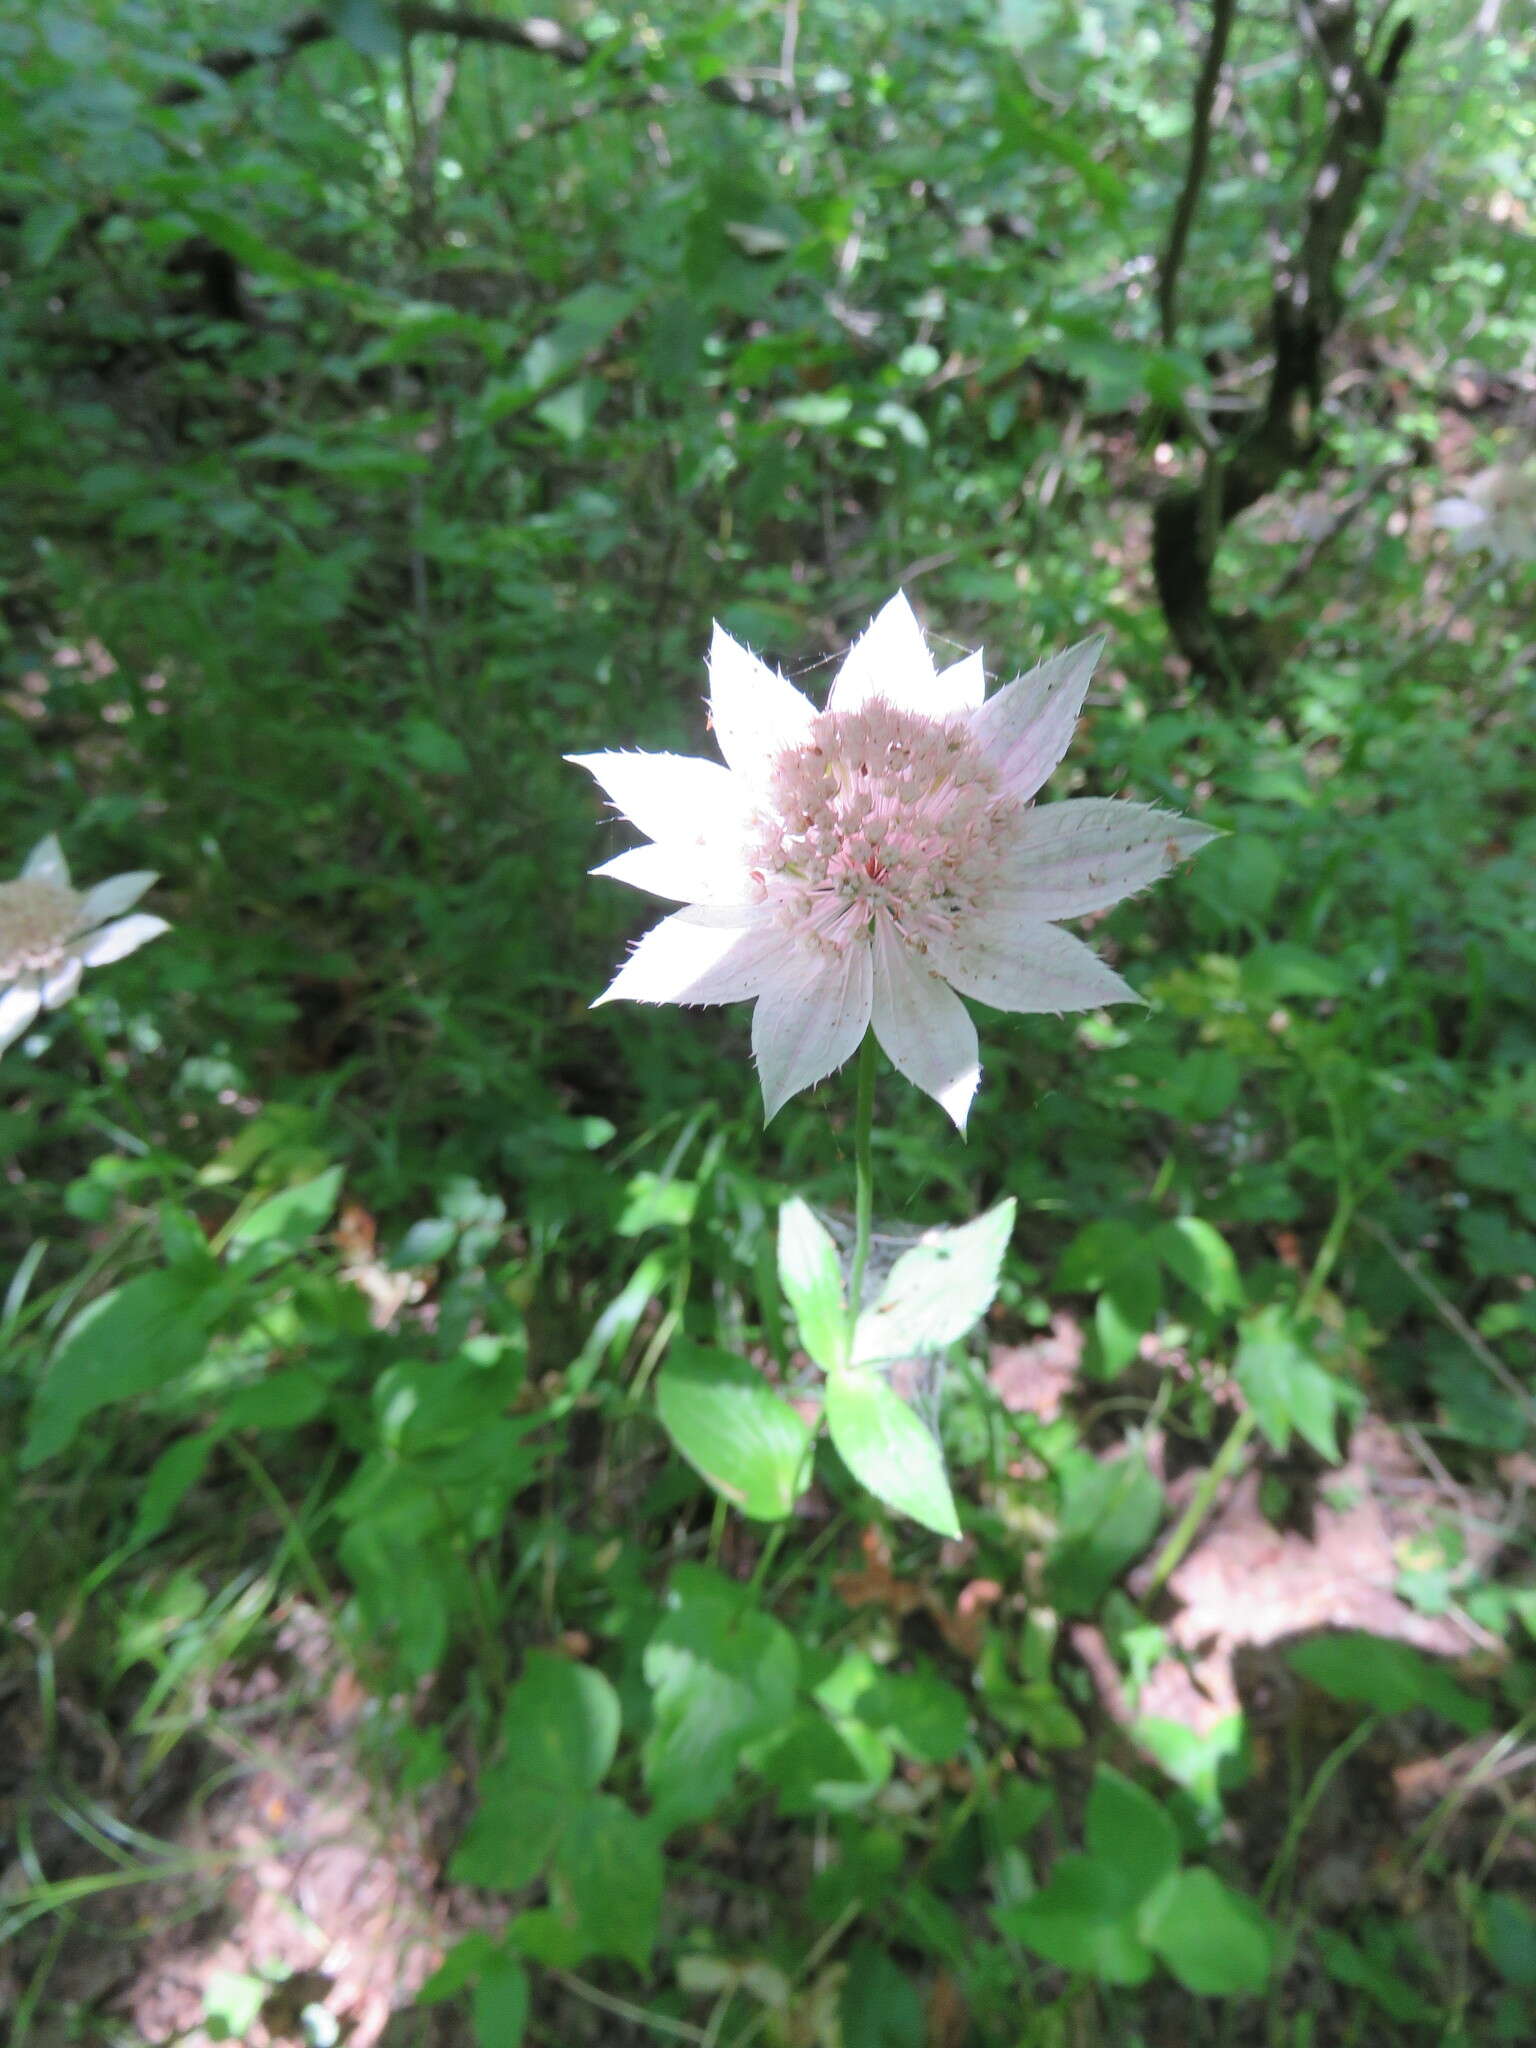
49,933
1496,511
871,863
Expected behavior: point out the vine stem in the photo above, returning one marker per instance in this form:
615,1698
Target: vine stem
863,1182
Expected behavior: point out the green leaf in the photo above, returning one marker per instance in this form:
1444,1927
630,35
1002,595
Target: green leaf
722,1675
937,1291
291,1217
879,2006
1201,1258
1386,1676
609,1867
811,1276
1126,1826
368,26
458,1969
561,1722
1109,1513
498,2005
1509,1936
917,1713
1083,1919
284,1400
47,227
137,1338
1285,1385
171,1478
559,1731
1215,1941
1349,1965
889,1449
734,1430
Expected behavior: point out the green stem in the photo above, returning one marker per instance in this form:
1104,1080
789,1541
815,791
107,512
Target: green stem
1225,1462
863,1181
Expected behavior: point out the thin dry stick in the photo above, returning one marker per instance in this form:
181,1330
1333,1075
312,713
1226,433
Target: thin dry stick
1453,1318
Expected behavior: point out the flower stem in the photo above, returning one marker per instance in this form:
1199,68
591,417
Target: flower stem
863,1181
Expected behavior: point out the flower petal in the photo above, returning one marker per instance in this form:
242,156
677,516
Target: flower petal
889,661
112,897
18,1006
698,956
755,712
1084,854
1016,964
117,941
811,1016
1026,728
687,872
963,685
924,1029
1454,513
667,795
46,863
61,984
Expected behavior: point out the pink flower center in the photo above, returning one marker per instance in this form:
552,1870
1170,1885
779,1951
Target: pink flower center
879,814
37,920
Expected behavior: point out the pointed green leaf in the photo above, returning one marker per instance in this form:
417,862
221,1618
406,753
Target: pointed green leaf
734,1430
608,1868
1285,1385
1084,1919
1127,1826
132,1341
1196,1253
811,1276
1108,1514
1216,1942
937,1291
723,1675
889,1449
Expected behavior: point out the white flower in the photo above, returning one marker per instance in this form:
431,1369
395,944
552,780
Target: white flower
49,932
1496,511
863,864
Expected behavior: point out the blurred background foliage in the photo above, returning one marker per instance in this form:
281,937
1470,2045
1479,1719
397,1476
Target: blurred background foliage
391,398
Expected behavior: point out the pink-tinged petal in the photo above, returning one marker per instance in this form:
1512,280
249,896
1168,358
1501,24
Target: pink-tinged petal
963,685
18,1006
755,712
1026,728
699,956
61,984
46,863
687,872
111,898
117,941
1069,858
811,1016
889,661
1016,964
924,1029
662,793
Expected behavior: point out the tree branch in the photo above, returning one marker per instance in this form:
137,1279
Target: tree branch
1222,18
533,33
1305,310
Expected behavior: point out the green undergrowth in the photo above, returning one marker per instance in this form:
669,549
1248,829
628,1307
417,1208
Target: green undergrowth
379,433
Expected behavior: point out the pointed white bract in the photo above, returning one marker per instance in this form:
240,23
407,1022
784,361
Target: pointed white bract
865,866
50,932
